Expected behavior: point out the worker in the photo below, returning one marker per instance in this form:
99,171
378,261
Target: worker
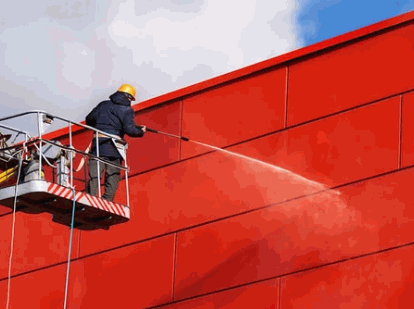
114,116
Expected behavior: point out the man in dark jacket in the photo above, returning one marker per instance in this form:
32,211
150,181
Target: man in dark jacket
115,117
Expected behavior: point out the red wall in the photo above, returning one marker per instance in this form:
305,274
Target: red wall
321,217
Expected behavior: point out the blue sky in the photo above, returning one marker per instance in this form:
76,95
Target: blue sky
321,20
64,57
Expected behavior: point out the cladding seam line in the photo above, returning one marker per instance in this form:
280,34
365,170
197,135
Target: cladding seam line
284,275
253,210
399,166
280,293
261,280
326,46
181,120
286,96
349,41
229,82
5,214
217,220
278,131
214,221
222,218
174,263
400,133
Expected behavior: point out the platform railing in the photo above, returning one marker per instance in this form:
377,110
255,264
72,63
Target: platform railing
38,141
17,131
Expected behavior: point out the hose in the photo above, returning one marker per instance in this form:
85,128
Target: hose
13,232
72,223
82,161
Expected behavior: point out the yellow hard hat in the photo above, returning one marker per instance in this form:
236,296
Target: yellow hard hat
127,89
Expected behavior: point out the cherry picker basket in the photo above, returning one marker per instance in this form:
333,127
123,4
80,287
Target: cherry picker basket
37,175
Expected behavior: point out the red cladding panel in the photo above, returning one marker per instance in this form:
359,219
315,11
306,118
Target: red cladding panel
136,276
3,292
39,242
333,151
80,140
407,146
380,281
155,150
4,210
196,191
264,295
5,244
38,290
338,149
361,72
296,235
223,116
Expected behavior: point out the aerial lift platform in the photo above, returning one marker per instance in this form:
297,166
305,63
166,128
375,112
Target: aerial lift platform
24,186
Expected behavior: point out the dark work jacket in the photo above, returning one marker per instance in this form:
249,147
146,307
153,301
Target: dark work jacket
116,117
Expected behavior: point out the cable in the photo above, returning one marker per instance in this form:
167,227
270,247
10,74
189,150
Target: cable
44,158
13,232
72,223
82,161
48,163
8,155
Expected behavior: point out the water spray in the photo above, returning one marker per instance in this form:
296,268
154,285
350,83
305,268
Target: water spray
250,159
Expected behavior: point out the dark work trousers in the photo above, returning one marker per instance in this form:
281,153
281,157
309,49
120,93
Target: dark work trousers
111,177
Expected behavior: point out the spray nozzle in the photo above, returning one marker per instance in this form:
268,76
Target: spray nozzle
168,134
152,130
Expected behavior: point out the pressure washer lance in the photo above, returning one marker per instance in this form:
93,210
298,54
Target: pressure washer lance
168,134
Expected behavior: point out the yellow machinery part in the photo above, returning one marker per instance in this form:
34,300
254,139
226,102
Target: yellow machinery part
7,174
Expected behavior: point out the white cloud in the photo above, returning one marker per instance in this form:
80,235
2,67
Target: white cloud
78,64
239,32
68,57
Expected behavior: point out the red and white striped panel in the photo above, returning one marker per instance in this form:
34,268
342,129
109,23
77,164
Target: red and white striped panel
89,200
